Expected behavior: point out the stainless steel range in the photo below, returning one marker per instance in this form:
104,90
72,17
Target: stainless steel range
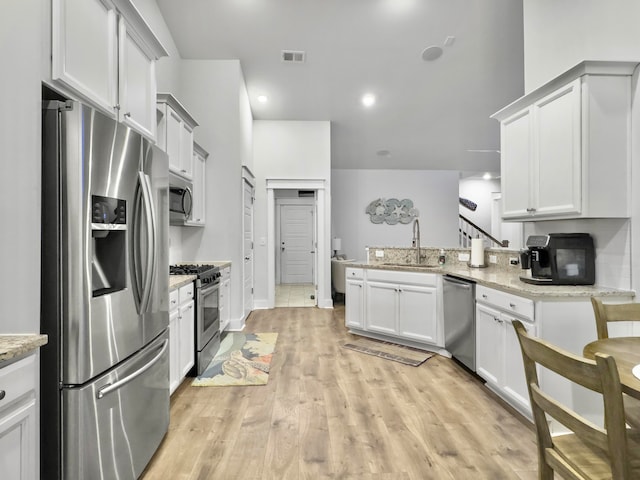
207,329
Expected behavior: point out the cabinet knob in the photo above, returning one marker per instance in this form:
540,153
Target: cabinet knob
484,296
2,394
117,106
183,171
512,305
128,114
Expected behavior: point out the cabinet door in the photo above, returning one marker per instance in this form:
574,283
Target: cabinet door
489,344
417,313
224,305
186,150
84,49
354,303
18,441
199,171
557,161
382,308
174,350
515,161
173,129
514,382
137,85
187,339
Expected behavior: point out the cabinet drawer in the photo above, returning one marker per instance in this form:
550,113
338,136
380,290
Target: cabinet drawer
414,278
174,299
357,273
226,273
18,379
186,293
505,301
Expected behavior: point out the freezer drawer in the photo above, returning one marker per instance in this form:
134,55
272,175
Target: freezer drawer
112,426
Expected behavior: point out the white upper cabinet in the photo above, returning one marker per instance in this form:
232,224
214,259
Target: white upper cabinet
175,134
199,191
104,52
565,148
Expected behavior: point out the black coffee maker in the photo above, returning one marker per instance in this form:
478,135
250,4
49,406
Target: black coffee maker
561,259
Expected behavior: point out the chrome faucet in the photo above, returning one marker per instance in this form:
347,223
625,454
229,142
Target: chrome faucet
416,239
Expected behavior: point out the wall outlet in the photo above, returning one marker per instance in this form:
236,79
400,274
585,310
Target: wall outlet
493,259
379,253
463,257
514,260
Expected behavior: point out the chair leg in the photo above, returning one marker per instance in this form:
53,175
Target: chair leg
545,472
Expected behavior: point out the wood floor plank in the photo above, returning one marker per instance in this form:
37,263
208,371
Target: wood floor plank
331,413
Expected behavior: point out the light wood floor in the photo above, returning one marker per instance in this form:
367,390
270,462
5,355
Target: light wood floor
332,413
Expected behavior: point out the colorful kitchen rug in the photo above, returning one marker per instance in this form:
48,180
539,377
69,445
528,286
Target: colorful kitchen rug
390,351
243,359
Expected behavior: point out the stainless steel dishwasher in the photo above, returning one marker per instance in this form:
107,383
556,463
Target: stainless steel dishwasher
459,298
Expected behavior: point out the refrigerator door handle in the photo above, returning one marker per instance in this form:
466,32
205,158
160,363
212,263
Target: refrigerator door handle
150,219
110,387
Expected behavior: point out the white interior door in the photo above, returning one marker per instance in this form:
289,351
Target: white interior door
247,239
297,250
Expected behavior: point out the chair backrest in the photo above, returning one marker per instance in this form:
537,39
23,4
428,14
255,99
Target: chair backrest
608,312
600,376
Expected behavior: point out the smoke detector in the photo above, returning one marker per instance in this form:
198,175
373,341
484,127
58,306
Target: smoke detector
293,56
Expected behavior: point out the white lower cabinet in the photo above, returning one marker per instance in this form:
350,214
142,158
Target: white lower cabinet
225,298
396,304
498,357
181,334
354,298
19,453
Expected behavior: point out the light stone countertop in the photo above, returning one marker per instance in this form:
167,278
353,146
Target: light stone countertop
177,281
14,346
507,280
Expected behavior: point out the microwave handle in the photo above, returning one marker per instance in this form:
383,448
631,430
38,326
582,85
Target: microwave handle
187,193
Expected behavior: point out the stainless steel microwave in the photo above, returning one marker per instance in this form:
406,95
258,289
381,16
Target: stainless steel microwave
180,199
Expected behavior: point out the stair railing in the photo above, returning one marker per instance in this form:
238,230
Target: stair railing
468,230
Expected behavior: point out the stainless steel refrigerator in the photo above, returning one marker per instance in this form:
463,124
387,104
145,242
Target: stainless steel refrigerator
104,296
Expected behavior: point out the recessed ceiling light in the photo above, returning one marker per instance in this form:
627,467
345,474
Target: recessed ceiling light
263,98
487,176
431,53
368,99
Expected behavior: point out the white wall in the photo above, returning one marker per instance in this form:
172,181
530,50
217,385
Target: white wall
434,194
213,92
21,38
167,68
478,191
560,34
288,150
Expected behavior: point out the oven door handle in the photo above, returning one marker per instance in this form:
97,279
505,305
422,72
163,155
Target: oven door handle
110,387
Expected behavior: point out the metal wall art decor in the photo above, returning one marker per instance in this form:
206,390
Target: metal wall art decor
392,211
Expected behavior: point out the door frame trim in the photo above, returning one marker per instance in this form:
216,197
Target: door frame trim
323,254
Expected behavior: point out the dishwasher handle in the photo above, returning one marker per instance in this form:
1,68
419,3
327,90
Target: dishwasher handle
458,282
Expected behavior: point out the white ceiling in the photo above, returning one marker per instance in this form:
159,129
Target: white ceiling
428,114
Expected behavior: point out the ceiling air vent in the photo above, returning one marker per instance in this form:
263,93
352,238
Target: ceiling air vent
305,193
292,56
